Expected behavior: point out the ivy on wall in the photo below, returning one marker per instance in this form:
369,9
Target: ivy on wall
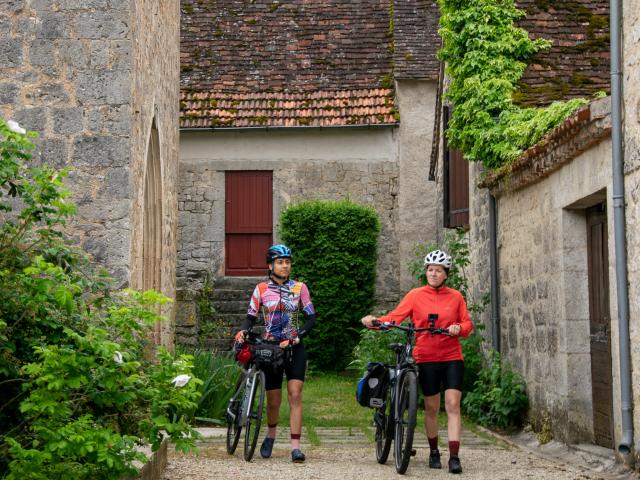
485,55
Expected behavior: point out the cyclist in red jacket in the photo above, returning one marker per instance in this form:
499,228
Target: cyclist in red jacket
439,357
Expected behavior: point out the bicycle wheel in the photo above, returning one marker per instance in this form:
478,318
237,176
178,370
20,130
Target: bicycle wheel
383,420
406,411
233,414
254,415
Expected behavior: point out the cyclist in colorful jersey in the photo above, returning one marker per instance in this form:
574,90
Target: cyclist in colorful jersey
439,357
281,299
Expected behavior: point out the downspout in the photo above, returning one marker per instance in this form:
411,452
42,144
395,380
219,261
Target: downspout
493,263
626,443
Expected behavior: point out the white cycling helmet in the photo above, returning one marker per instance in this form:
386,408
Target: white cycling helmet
438,257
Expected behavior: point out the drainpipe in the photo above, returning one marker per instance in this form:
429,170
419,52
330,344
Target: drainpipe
626,442
493,262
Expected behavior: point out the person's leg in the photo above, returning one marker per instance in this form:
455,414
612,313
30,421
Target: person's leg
452,406
431,408
430,378
273,385
274,400
294,389
452,396
295,369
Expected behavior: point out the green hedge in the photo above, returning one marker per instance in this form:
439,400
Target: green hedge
334,252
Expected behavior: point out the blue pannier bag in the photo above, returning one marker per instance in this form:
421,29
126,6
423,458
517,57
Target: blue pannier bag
373,385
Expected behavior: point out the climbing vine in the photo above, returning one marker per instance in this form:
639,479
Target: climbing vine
486,54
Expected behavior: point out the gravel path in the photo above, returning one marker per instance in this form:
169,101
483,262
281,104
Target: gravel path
338,455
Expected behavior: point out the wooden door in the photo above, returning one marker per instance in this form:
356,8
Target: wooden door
248,221
456,183
600,325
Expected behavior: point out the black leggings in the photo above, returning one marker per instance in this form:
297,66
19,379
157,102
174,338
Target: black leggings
295,365
432,375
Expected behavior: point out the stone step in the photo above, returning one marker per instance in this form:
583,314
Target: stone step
237,283
231,306
228,295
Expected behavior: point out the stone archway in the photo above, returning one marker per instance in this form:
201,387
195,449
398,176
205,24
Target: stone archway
152,221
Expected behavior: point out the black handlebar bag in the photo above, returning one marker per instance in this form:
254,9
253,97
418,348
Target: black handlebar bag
268,356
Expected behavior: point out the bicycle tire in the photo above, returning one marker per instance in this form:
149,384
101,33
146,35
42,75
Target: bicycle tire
383,420
405,422
254,415
234,428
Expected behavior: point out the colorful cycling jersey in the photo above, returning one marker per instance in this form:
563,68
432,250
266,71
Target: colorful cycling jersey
280,307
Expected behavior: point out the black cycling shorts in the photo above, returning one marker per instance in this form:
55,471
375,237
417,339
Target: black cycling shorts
295,365
434,375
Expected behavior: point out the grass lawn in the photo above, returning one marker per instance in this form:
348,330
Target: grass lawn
329,400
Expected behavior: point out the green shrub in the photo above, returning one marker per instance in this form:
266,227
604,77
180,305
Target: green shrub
499,397
81,389
373,346
334,251
219,374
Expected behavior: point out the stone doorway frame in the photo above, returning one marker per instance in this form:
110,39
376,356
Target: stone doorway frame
152,220
576,331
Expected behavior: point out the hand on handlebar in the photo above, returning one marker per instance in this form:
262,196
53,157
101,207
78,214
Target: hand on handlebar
370,321
289,343
240,336
454,330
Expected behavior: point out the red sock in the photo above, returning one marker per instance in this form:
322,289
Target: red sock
295,436
433,443
454,447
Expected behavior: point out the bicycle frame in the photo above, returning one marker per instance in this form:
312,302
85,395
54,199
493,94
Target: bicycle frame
405,368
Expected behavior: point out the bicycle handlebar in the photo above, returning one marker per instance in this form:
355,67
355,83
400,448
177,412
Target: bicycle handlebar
431,330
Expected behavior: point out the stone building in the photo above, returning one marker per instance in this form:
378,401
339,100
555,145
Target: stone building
555,240
289,101
99,81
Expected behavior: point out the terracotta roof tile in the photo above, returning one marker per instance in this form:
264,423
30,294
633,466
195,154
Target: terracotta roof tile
577,65
278,109
303,50
416,39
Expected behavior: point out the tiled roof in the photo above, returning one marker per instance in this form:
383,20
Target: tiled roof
577,65
297,49
290,45
416,39
313,109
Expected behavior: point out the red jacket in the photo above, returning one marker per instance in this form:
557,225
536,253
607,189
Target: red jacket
450,307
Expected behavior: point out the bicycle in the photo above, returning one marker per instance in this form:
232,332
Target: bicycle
397,414
246,406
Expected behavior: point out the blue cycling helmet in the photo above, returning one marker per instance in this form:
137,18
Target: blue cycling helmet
278,251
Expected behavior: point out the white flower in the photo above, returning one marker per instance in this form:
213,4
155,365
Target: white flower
181,380
15,127
117,357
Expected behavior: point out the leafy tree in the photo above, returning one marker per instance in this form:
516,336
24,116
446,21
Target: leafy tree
81,389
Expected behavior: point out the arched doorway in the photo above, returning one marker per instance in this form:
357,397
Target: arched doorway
152,221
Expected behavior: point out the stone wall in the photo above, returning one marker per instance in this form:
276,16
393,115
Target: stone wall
418,204
631,89
65,72
155,98
89,76
479,270
544,293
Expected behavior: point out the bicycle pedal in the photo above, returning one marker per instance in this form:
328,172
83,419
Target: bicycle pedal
413,452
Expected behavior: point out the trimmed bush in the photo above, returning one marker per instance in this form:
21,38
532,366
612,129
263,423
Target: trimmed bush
334,252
